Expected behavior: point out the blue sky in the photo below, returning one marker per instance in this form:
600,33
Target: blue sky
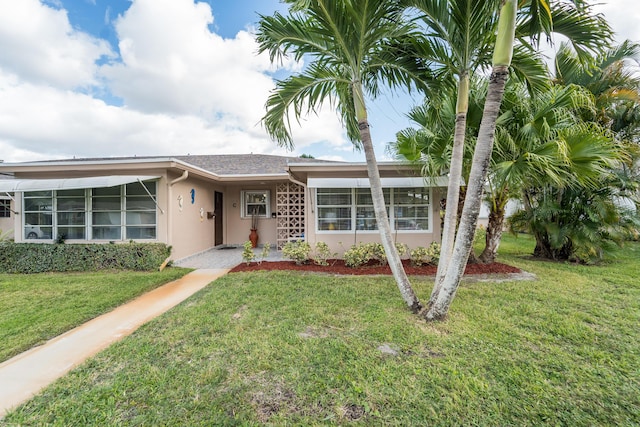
93,78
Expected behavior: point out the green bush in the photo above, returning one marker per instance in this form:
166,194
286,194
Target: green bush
28,258
421,255
247,252
364,253
297,251
323,254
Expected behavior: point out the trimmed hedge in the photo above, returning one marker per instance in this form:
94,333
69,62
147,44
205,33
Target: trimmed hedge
28,258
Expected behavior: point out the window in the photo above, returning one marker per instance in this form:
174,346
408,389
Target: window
71,214
256,202
365,214
338,209
111,213
411,208
334,208
5,208
38,215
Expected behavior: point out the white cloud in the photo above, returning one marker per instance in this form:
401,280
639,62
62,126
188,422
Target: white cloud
39,45
185,89
624,16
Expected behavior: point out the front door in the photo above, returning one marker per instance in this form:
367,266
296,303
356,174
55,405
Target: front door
217,210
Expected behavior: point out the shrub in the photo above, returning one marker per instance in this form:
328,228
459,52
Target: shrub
323,254
297,251
421,255
265,251
28,258
247,252
363,253
402,249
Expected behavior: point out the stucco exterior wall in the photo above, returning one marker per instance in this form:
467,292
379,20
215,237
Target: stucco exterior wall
341,241
189,229
238,228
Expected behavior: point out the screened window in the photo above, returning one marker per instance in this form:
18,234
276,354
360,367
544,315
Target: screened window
365,215
5,208
38,215
342,209
106,213
256,202
411,208
111,213
71,214
334,208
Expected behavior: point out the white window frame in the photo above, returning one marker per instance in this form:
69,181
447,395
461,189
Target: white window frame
391,211
88,197
244,214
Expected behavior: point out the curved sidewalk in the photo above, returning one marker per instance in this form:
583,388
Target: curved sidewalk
26,374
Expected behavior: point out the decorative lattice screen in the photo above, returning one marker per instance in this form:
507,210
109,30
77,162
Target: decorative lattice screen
290,211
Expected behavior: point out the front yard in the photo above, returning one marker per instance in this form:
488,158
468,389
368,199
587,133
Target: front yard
37,307
301,349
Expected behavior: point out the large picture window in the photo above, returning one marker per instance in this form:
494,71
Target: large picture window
5,208
111,213
343,209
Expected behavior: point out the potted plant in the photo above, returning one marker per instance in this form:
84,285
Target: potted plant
253,236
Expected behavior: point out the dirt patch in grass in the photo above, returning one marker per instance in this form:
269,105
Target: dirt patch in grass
338,267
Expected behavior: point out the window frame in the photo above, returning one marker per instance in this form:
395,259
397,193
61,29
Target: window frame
89,223
391,206
244,214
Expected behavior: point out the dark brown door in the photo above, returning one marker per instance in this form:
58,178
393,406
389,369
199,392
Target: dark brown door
217,210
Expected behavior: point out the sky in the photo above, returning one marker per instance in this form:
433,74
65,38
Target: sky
104,78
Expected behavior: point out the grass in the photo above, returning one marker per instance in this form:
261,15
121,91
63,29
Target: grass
294,349
37,307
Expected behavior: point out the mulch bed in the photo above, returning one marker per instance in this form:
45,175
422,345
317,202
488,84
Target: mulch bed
338,267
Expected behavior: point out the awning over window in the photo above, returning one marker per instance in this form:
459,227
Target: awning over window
13,185
386,182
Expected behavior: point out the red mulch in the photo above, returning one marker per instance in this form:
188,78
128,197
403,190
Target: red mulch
338,267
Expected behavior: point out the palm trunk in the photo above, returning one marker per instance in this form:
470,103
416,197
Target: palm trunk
481,159
453,190
382,219
494,235
473,199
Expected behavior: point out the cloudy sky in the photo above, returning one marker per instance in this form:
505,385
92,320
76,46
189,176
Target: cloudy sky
89,78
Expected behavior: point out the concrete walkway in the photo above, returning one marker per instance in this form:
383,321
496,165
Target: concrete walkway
224,257
26,374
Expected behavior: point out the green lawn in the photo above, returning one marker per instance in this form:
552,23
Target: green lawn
295,349
37,307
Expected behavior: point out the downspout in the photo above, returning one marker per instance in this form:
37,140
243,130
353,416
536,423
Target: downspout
184,176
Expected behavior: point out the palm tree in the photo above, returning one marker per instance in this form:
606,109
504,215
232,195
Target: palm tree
502,58
458,39
534,148
456,42
353,47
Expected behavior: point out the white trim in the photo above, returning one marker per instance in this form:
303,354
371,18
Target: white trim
243,203
440,181
14,185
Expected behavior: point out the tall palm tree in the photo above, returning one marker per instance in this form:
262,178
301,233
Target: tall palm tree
459,36
456,42
540,20
354,47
